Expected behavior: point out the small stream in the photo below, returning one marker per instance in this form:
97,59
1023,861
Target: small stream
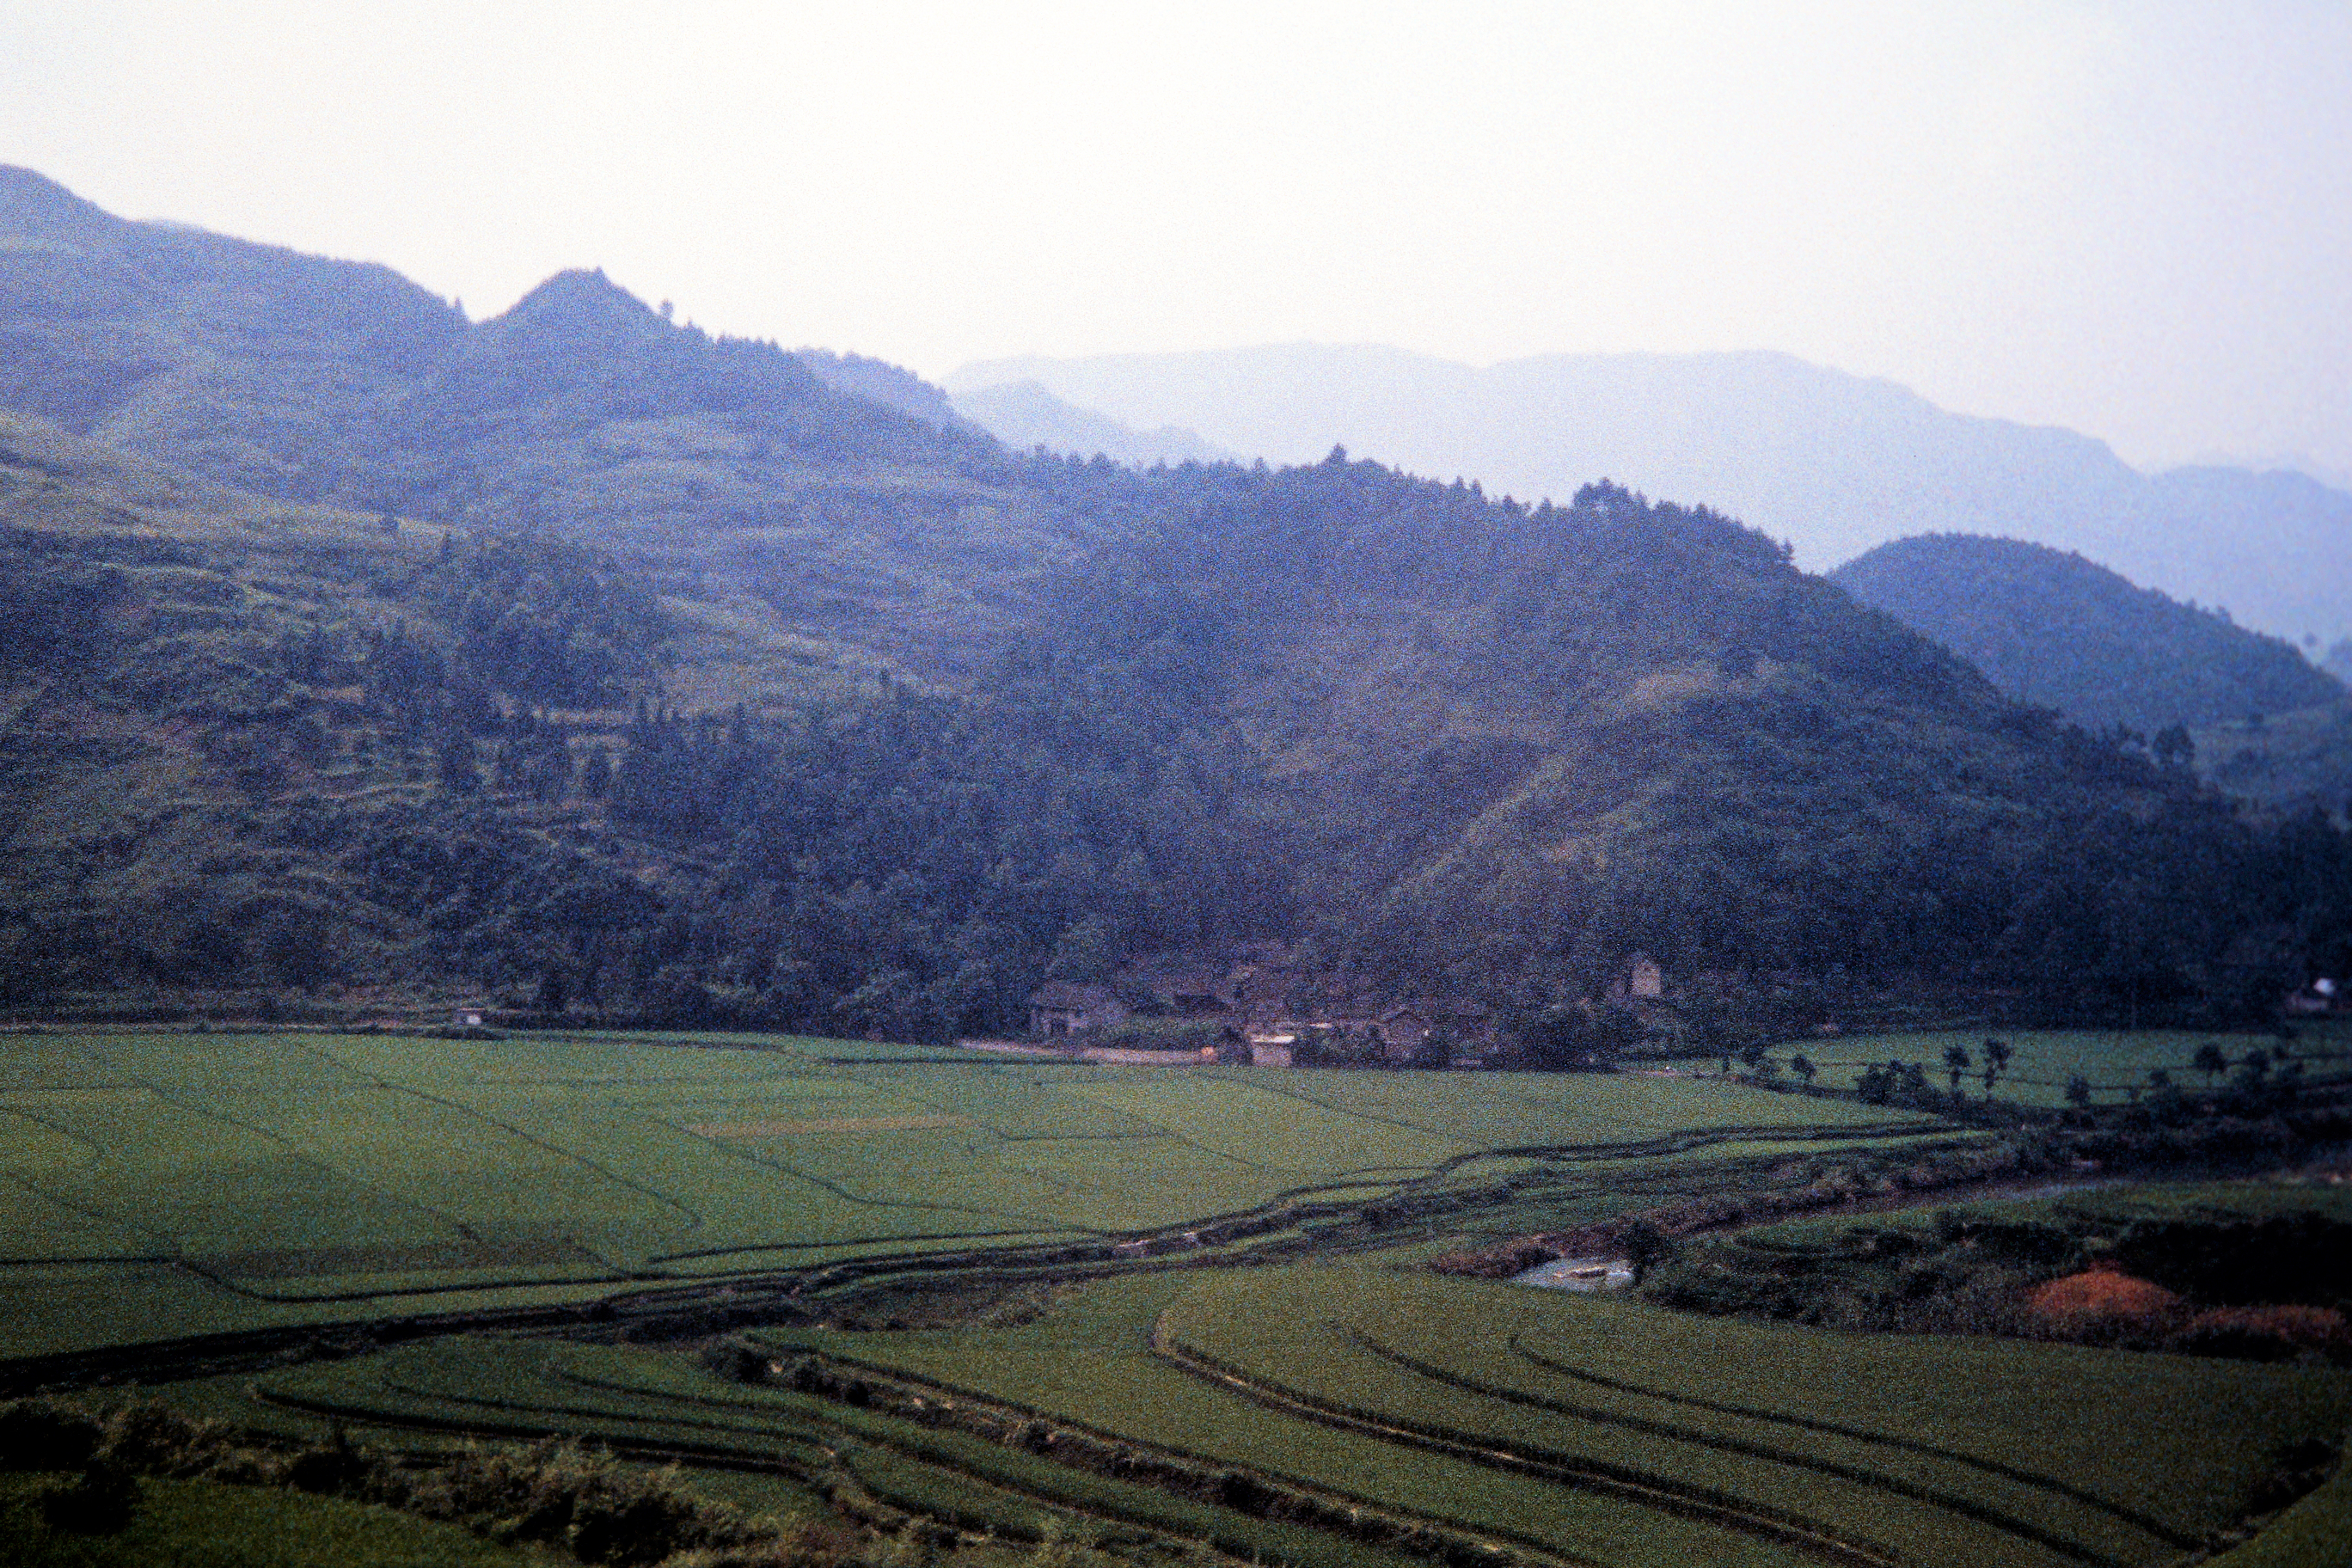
1584,1274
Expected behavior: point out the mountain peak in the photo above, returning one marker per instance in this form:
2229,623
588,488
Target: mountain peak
34,206
580,304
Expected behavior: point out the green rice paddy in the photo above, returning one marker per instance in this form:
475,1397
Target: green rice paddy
1182,1380
157,1186
2115,1062
208,1524
1274,1410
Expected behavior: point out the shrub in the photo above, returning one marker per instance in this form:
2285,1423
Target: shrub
99,1502
155,1440
36,1435
552,1493
735,1361
1160,1035
332,1466
630,1521
2265,1333
2101,1296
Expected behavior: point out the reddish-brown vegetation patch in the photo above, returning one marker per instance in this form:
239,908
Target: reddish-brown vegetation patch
2266,1334
2103,1294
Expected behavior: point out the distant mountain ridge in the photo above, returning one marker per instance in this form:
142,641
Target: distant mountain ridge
1023,414
1834,463
318,380
2050,628
879,381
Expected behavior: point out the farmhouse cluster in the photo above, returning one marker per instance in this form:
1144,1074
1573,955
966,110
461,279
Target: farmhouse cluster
1260,1010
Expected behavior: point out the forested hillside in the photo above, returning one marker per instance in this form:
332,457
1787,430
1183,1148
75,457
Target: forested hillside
2054,629
581,657
1835,463
2050,627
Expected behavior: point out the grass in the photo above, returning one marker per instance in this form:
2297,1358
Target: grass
2044,1061
209,1524
1564,1110
2314,1533
306,1176
1637,1436
1091,1364
1995,1452
1596,1430
642,1401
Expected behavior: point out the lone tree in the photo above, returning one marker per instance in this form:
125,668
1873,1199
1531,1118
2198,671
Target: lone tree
1995,1060
2078,1091
1803,1067
1955,1062
2209,1061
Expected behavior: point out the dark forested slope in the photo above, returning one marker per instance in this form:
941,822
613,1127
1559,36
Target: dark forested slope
2056,630
578,655
2052,628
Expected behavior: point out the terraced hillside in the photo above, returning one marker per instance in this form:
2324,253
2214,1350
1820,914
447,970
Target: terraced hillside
1329,1415
1162,1310
165,1186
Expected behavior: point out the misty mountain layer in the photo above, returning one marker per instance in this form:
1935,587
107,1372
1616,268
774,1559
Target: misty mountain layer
1023,414
2053,628
1833,463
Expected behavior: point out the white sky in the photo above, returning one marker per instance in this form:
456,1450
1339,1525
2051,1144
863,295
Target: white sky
2133,219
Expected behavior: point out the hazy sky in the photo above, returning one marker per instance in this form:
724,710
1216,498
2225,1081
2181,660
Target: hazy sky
2132,219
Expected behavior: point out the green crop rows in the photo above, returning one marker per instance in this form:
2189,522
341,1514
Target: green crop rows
2114,1063
1500,1424
1349,1413
1605,1430
155,1185
1935,1449
664,1406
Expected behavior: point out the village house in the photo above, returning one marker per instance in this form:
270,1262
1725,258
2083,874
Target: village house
1642,981
1060,1008
1274,1047
1468,1022
1400,1031
1645,978
2317,999
1188,996
1260,994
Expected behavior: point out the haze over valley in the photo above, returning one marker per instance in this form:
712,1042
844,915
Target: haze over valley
1832,463
1702,916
